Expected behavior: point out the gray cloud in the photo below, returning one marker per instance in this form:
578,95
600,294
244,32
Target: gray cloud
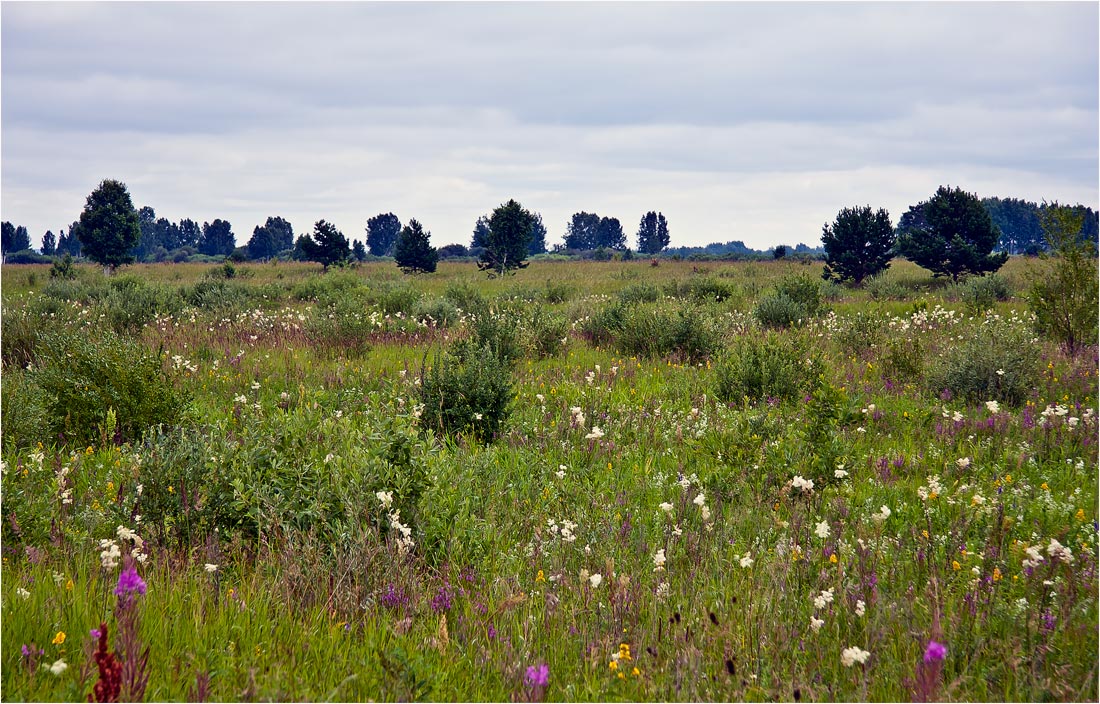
739,121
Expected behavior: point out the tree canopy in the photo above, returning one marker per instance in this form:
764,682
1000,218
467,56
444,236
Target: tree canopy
108,228
538,235
217,238
508,240
382,232
327,245
951,235
858,245
15,239
652,233
274,236
413,251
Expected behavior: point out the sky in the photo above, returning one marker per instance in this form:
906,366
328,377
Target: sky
738,121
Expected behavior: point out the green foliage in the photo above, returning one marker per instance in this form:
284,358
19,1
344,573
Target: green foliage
884,288
83,377
327,245
981,292
467,297
108,227
499,332
778,311
685,332
640,293
758,368
274,236
467,389
1065,301
441,312
903,360
997,362
133,302
508,239
544,333
950,235
858,245
861,331
413,251
25,407
62,267
699,288
652,233
15,239
382,232
557,292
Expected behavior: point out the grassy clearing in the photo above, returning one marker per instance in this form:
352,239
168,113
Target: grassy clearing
637,525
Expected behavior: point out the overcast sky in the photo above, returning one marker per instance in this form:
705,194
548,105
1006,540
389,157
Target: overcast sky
739,121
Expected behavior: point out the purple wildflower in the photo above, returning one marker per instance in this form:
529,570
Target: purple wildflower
443,599
129,582
935,652
537,676
95,633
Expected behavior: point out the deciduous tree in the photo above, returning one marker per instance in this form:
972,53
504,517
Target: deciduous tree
509,238
108,227
382,232
652,233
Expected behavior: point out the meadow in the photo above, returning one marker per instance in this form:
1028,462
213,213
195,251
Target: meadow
589,481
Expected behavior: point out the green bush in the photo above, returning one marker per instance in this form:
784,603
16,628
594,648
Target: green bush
132,303
648,331
25,410
545,334
395,299
327,288
996,362
467,297
883,288
860,332
639,293
804,290
602,325
499,332
980,292
699,288
217,294
766,367
344,327
84,377
466,390
557,292
442,311
778,310
902,360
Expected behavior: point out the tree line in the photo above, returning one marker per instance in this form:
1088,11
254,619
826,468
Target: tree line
952,234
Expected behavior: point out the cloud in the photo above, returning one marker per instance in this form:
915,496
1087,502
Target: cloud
739,121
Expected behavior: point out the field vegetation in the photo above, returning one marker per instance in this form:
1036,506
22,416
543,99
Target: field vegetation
583,481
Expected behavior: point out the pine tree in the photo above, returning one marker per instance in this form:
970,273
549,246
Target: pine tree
652,233
327,245
413,251
858,245
950,235
509,238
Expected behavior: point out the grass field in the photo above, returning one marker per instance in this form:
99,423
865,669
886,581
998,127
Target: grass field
631,487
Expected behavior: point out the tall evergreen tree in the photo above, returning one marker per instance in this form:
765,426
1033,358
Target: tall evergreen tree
15,239
413,251
481,232
108,228
327,245
652,233
382,232
951,235
858,245
509,239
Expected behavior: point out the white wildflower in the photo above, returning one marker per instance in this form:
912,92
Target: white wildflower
823,599
880,517
596,433
595,580
822,530
666,507
210,567
802,484
22,593
58,667
700,499
861,607
385,498
659,560
746,560
993,406
816,623
850,656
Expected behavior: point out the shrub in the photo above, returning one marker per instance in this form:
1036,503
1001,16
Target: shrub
466,390
85,377
467,297
25,409
344,327
499,333
639,293
132,303
601,326
217,294
1065,301
699,288
997,362
62,268
394,299
883,288
980,292
442,311
557,292
860,332
766,367
656,332
545,333
903,360
778,310
803,290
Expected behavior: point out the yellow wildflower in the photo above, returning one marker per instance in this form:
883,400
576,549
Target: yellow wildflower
832,558
955,565
541,577
59,638
997,574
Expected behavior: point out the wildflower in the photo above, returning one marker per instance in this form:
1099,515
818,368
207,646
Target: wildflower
935,652
840,473
662,591
993,406
210,567
560,474
596,433
883,513
595,580
666,507
825,597
822,530
58,667
700,499
850,656
816,623
746,560
705,511
108,557
59,638
537,676
129,582
385,498
962,462
833,559
861,607
659,560
22,593
540,577
955,565
801,484
1060,552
